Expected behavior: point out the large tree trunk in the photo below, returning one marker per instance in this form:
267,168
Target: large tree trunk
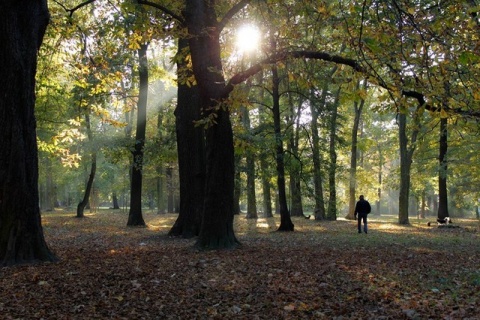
217,221
22,26
135,217
442,171
286,223
191,152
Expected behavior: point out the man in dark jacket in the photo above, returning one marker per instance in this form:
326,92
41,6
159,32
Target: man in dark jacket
362,209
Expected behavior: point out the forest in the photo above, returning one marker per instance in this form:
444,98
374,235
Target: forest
216,109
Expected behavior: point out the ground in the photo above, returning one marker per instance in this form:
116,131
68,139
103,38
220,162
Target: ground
323,270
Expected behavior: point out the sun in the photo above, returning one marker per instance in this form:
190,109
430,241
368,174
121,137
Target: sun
247,38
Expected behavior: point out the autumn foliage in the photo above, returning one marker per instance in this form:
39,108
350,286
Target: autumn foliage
323,270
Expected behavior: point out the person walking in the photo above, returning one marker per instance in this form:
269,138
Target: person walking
362,209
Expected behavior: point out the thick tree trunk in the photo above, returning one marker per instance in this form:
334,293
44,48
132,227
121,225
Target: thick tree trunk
442,171
191,153
22,26
135,217
217,221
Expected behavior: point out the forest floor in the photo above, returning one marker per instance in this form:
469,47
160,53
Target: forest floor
323,270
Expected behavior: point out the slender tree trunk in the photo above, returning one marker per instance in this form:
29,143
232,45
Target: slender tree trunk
93,169
250,169
22,26
237,191
442,171
267,197
171,194
406,157
405,164
135,217
191,151
115,201
332,171
251,194
296,208
380,177
358,107
286,223
317,175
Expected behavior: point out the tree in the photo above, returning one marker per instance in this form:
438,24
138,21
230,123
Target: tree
135,217
442,170
357,107
190,148
21,34
406,157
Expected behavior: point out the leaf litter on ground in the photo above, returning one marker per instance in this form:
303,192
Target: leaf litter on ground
323,270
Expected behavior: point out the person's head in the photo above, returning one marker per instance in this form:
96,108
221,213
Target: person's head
362,197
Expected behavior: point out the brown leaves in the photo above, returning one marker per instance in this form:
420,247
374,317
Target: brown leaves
323,270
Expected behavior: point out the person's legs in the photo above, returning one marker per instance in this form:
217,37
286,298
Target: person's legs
359,223
365,227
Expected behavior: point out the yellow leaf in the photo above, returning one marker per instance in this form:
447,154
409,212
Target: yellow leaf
443,114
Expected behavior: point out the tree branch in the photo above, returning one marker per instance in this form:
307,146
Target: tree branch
354,64
163,9
72,11
232,12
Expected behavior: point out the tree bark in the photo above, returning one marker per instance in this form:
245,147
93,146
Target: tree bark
332,170
115,201
406,157
286,223
22,27
135,217
93,169
317,175
357,107
250,159
442,171
217,222
190,150
296,208
267,197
